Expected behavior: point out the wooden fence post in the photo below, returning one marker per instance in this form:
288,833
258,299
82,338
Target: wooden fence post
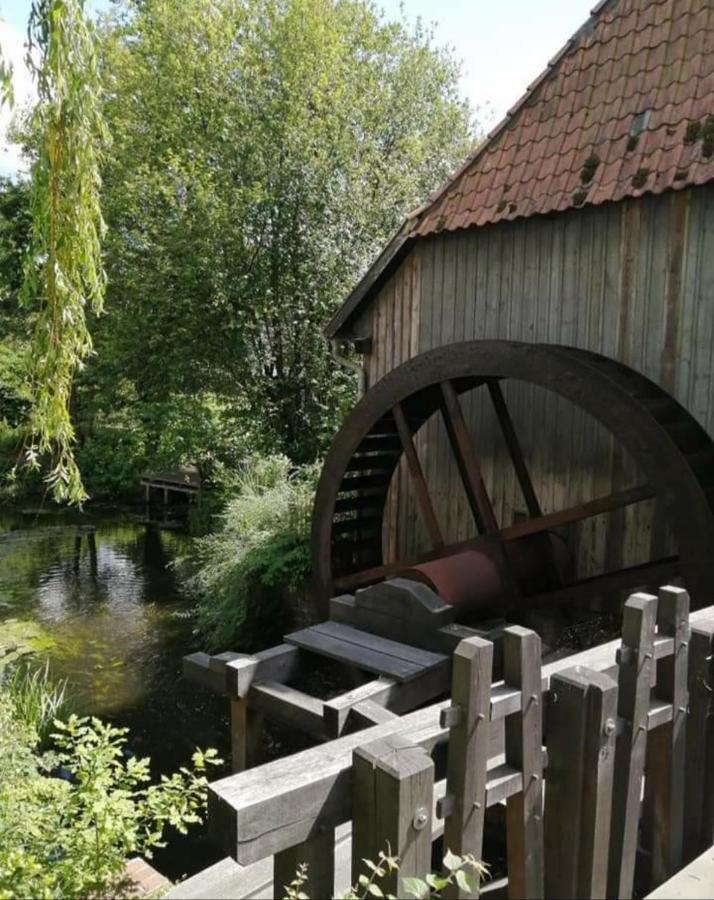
524,751
699,770
464,806
663,809
318,854
393,784
636,665
578,799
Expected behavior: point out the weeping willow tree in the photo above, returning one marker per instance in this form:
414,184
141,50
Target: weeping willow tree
64,276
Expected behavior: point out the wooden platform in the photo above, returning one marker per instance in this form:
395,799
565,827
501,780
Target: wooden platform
370,652
694,882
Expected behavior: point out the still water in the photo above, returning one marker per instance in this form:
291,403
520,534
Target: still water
99,595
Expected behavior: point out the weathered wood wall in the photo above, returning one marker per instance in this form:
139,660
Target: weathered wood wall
632,280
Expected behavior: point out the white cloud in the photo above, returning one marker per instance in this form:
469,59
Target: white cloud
13,51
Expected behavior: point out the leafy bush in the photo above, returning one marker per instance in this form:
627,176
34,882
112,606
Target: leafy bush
70,837
260,551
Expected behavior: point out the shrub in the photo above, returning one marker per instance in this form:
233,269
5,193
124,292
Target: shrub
260,551
70,837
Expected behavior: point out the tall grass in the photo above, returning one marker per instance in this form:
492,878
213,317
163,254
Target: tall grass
37,698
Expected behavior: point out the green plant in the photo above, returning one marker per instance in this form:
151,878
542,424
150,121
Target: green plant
465,871
70,837
37,698
260,551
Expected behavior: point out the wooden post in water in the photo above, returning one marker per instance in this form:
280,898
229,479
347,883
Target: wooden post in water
393,787
663,808
464,806
581,753
636,665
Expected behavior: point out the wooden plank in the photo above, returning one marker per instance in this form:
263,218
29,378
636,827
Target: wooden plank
699,769
281,663
636,665
466,460
406,600
468,751
367,712
581,751
289,706
196,667
524,751
392,812
514,448
418,481
366,651
694,882
398,697
318,854
663,809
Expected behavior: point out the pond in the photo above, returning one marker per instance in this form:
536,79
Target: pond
98,594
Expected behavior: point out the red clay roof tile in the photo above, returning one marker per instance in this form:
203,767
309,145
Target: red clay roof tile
631,57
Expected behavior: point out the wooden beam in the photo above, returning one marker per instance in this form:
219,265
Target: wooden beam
418,481
281,663
636,666
514,449
392,809
467,460
524,751
367,713
510,533
699,770
289,706
318,855
468,756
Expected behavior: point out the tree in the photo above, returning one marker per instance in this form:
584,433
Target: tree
63,271
263,150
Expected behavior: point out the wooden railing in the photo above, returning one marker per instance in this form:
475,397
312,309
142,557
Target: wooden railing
565,748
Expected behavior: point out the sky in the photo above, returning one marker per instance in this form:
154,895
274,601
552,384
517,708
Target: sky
503,46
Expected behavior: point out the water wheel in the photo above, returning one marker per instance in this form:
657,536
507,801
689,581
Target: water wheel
515,565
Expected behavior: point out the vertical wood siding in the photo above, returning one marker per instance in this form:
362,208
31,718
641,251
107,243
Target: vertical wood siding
632,280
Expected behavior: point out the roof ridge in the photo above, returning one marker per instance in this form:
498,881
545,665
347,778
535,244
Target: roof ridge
585,29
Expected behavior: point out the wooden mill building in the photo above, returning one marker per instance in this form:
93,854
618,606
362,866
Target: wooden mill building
586,219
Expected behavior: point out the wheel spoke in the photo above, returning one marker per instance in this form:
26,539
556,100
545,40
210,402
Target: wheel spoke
417,476
514,449
467,460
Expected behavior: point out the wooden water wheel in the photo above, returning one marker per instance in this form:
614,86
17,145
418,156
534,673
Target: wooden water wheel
515,562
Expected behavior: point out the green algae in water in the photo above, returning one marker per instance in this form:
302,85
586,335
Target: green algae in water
20,637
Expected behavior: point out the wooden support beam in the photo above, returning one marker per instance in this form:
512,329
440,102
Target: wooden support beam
469,722
318,855
421,491
367,713
289,706
636,666
246,736
524,751
699,769
514,449
581,750
281,663
467,460
392,809
663,809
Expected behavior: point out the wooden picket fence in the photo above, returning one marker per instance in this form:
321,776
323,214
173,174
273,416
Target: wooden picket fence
604,762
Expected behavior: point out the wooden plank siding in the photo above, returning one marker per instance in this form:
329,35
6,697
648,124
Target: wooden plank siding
632,280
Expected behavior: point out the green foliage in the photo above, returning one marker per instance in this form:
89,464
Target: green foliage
465,871
259,553
63,271
36,697
263,151
71,837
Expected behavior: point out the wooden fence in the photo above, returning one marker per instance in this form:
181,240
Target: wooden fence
601,763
